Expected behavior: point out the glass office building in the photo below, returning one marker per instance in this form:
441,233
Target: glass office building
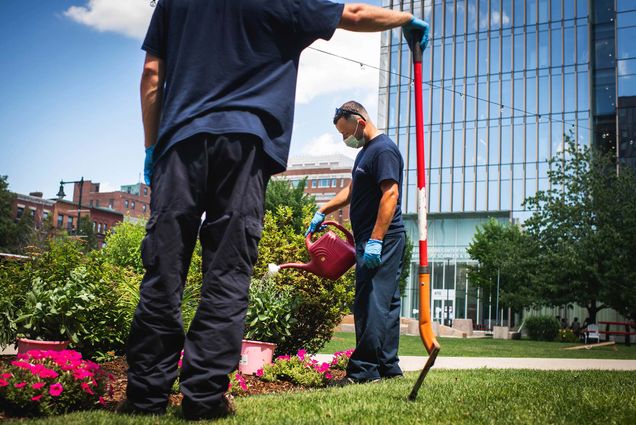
504,80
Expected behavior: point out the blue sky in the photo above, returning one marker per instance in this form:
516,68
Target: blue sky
69,82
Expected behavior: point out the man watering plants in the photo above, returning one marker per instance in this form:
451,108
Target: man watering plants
375,195
217,94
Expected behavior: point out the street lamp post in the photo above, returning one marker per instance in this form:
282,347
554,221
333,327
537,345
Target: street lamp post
61,194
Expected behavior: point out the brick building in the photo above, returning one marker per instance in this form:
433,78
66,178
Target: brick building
326,176
132,200
63,214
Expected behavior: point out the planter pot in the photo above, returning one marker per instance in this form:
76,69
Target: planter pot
255,355
25,345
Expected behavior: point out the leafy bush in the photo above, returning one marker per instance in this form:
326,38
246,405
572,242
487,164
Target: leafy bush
52,382
542,328
320,304
56,312
269,314
13,286
567,335
299,369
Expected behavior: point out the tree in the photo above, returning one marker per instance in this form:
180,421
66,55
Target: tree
7,224
88,235
406,264
503,251
283,193
585,230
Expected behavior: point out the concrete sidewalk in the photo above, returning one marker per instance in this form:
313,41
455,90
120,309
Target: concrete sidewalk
416,363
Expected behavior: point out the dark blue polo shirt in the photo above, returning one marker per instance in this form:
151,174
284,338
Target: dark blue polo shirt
231,66
379,160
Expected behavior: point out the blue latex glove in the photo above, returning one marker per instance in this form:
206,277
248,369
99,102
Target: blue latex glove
148,164
372,253
315,223
416,25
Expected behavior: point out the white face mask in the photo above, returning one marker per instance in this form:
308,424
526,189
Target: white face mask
353,142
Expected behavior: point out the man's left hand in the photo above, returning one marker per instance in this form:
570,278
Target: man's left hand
372,253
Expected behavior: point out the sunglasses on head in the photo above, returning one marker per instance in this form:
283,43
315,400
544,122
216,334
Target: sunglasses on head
346,113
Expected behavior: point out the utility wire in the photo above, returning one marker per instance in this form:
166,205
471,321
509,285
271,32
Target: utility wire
501,106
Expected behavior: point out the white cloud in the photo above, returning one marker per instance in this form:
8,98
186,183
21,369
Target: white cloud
322,74
127,17
327,144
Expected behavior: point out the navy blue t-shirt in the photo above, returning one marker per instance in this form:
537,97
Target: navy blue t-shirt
379,160
231,66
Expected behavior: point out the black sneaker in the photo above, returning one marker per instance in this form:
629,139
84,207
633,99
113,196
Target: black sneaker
127,408
223,410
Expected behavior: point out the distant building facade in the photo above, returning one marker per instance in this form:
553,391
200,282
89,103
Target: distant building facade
131,200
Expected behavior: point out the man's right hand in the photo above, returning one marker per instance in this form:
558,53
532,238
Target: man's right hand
315,223
148,164
416,25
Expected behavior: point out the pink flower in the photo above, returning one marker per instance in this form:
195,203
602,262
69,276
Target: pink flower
328,375
282,358
87,388
36,398
80,374
56,389
102,401
20,385
3,383
21,364
259,373
38,385
6,376
301,354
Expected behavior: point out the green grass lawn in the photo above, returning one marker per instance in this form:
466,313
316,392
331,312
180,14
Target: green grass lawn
488,347
447,397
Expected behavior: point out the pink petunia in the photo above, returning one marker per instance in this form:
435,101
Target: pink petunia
56,389
328,376
36,398
259,373
20,385
3,383
87,388
301,354
6,376
102,401
22,364
38,385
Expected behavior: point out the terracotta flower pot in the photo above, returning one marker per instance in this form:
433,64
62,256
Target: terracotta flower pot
255,355
25,345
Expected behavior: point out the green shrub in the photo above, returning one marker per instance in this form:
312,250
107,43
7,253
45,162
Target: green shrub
567,335
298,369
319,304
13,286
542,328
269,314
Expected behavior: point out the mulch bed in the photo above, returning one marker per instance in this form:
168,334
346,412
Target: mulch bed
118,368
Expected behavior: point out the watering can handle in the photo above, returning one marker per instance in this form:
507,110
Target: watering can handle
340,227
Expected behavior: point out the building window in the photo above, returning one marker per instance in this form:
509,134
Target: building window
334,183
69,223
32,211
99,227
342,182
105,227
324,183
94,225
145,191
20,213
60,221
45,215
314,184
97,203
111,203
132,205
125,203
143,207
90,204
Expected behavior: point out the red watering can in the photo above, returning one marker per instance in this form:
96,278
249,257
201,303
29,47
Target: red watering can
329,257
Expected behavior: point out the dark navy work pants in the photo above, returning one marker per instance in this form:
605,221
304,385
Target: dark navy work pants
224,177
376,311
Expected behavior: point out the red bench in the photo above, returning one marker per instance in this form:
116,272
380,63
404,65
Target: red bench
627,333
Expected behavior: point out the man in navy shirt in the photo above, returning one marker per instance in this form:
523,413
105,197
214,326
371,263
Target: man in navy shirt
375,195
217,94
